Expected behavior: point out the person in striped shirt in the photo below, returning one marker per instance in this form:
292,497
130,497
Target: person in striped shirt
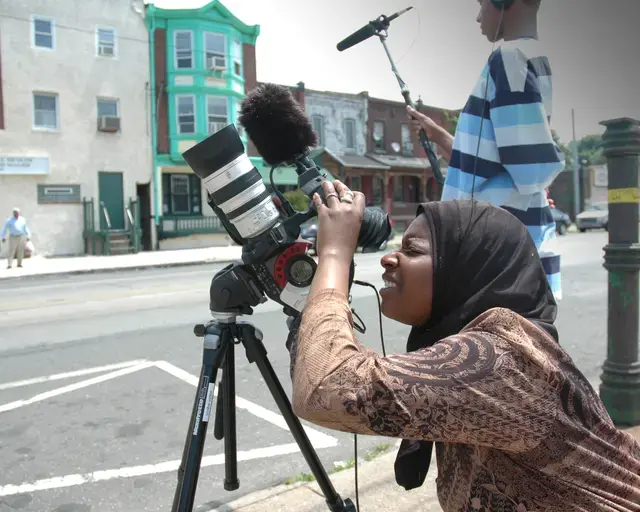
506,122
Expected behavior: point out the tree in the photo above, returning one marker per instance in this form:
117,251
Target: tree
589,150
450,121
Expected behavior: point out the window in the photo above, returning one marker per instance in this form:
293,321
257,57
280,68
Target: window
43,32
45,110
237,58
398,188
183,40
350,133
107,107
106,42
407,144
355,183
378,135
186,114
239,127
215,51
217,113
378,187
181,194
317,122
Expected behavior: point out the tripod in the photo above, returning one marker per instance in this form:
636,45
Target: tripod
219,352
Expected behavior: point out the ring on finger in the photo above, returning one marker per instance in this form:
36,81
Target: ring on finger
347,196
332,194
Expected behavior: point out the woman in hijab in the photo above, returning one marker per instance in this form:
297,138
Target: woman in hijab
516,425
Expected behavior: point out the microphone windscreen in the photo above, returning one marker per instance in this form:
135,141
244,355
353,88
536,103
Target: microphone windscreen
276,124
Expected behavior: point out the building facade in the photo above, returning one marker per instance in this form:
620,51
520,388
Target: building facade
340,121
408,178
74,121
203,62
367,142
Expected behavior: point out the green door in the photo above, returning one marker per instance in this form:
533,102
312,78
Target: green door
112,196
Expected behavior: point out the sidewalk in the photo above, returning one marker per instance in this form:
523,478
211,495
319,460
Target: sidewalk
41,266
376,483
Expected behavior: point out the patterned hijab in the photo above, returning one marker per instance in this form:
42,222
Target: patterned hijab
483,258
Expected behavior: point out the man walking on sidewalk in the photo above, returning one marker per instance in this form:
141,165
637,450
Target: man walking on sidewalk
19,234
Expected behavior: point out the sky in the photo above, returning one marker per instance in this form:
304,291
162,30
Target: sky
593,45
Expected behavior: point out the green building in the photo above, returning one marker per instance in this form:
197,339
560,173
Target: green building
202,64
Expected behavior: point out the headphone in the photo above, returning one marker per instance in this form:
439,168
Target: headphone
502,4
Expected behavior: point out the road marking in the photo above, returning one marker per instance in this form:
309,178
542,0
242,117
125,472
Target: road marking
317,438
73,387
69,375
135,471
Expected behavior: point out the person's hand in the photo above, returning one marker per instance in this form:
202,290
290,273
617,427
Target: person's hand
339,221
420,121
552,203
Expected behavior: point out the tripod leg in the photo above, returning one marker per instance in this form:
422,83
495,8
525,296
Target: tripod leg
231,482
256,353
218,426
216,340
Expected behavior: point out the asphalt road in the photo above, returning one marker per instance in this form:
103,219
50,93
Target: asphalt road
97,377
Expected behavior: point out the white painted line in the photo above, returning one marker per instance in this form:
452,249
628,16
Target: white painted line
150,469
73,387
68,375
179,373
317,438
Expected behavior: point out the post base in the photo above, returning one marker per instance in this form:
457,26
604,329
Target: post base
620,392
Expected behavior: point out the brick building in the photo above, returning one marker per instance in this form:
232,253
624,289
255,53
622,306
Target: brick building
367,142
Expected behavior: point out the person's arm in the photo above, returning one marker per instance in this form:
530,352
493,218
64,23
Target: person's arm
435,133
523,135
5,227
444,140
26,228
469,388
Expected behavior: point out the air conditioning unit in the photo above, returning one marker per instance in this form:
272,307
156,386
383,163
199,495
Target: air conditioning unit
215,127
216,63
106,51
109,124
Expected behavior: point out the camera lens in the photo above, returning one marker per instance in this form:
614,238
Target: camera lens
234,184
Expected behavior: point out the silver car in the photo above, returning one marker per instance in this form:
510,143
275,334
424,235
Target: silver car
595,216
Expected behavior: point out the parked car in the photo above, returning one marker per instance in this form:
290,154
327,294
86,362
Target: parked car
309,231
595,216
563,221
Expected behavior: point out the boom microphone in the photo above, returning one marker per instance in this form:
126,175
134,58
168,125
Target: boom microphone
370,29
282,134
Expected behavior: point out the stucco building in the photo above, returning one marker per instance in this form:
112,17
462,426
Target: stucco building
74,121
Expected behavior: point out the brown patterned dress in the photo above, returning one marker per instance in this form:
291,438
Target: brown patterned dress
517,427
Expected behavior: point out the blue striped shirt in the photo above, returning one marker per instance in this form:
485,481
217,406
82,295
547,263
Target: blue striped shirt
518,158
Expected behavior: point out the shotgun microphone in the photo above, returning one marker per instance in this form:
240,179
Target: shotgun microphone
370,29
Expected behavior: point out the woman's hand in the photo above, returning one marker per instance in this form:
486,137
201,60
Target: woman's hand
339,221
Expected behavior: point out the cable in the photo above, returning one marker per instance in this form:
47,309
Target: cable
384,353
414,39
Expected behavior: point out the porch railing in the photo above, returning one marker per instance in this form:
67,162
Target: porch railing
97,231
182,226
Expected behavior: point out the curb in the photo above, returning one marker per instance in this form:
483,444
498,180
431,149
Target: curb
117,269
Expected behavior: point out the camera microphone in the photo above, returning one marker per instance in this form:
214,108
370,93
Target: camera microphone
282,134
370,29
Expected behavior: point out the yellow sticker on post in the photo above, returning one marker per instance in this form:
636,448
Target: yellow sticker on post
624,195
